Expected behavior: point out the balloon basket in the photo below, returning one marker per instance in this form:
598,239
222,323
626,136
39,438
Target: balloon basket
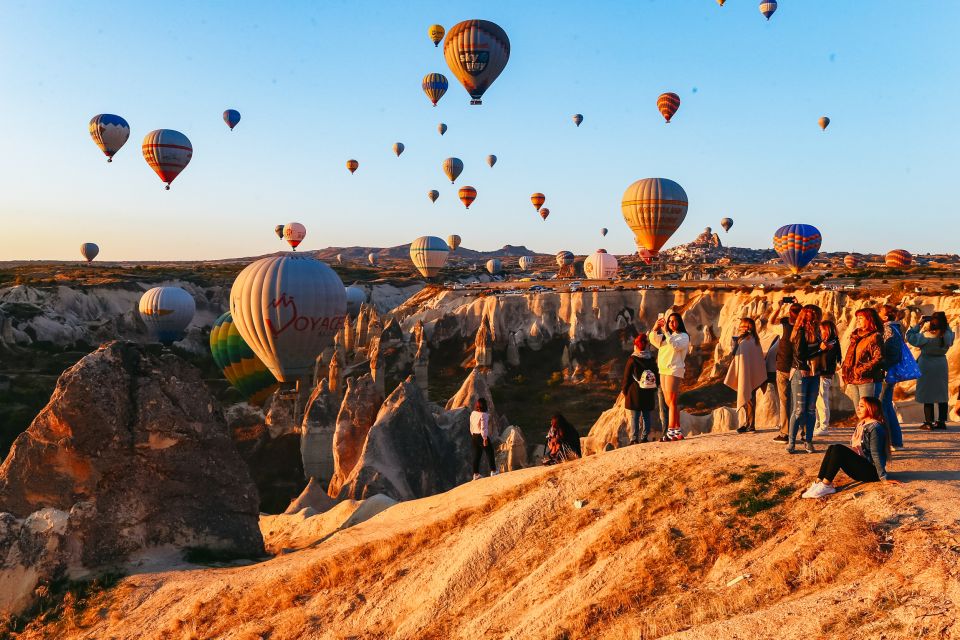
476,101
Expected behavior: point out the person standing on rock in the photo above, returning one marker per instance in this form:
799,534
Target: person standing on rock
805,383
747,372
892,354
785,362
480,437
673,343
826,367
863,365
933,383
639,388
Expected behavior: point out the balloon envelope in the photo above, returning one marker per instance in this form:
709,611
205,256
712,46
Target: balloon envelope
279,231
577,119
824,122
436,34
544,213
564,258
231,117
352,165
603,232
453,167
668,103
442,128
294,233
476,52
525,262
433,194
168,152
89,251
109,132
600,266
453,241
898,258
372,259
355,297
538,199
797,245
851,261
654,208
429,254
726,223
467,195
491,160
494,266
398,148
167,311
239,364
768,8
434,85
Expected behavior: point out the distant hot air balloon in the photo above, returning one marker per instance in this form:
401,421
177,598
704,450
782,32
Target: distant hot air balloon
824,122
429,254
476,52
494,266
434,85
603,232
453,241
288,308
442,128
239,364
600,266
654,208
355,297
851,261
167,311
491,160
110,132
89,251
453,167
433,194
721,2
538,199
352,165
898,258
577,119
768,8
294,233
398,148
231,117
525,262
168,152
436,33
372,259
726,223
564,258
668,103
339,258
797,245
544,213
279,231
467,196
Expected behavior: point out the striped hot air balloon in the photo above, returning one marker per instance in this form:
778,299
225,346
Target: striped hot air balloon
433,194
167,311
453,241
476,52
168,152
851,261
398,148
494,266
577,118
355,297
668,103
898,258
538,199
109,132
434,85
239,364
452,167
525,262
544,213
352,165
768,8
294,233
89,251
797,245
467,195
564,258
654,208
231,117
429,254
600,266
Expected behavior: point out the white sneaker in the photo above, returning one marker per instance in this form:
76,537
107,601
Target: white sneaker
476,476
823,431
493,473
820,491
813,485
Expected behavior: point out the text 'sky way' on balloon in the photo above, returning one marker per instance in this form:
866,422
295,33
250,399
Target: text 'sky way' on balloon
89,251
726,223
564,258
398,148
851,261
294,233
668,103
491,160
168,152
544,213
110,132
452,167
577,118
433,194
797,245
453,241
372,259
288,308
429,254
352,165
166,311
525,262
768,8
600,266
231,117
603,232
654,208
494,266
240,365
898,258
436,34
355,297
442,128
538,199
824,122
279,230
467,196
476,52
434,85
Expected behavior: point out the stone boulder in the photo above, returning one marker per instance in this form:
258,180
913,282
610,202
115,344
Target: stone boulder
358,412
511,454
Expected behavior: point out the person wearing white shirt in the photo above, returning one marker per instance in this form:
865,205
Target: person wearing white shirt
670,338
480,437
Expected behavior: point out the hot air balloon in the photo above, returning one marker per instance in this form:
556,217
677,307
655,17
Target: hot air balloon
668,103
491,160
89,251
436,33
603,232
339,258
453,241
166,311
525,262
538,199
564,258
768,8
824,122
429,254
355,297
544,213
168,152
352,165
239,364
453,167
467,196
434,85
288,308
442,128
398,148
644,254
433,195
726,223
494,266
721,2
110,132
279,231
653,208
577,119
898,258
372,259
231,117
797,245
600,266
476,52
294,233
851,261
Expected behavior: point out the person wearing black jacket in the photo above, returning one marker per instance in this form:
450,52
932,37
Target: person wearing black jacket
641,369
892,350
785,362
805,383
826,367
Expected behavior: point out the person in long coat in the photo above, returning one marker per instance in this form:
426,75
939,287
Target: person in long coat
747,372
933,385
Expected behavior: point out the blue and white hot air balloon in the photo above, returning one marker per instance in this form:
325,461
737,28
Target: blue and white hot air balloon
231,117
110,132
167,311
494,266
355,297
797,245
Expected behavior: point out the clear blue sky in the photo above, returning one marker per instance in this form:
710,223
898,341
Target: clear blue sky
320,82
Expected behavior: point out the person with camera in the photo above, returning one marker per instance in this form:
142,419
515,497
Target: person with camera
892,354
862,368
826,368
785,361
747,372
639,388
673,343
805,382
932,335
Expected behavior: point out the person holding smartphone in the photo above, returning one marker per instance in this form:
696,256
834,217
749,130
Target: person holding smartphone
932,335
670,338
785,362
826,368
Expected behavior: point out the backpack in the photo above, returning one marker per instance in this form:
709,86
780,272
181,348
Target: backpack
648,380
907,368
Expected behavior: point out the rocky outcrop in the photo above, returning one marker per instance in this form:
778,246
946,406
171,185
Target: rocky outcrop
359,410
511,454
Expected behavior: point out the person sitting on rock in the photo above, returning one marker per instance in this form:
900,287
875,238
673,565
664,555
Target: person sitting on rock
563,441
639,388
480,437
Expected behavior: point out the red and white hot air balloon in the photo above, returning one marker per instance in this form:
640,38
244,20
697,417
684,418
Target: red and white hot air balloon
168,152
294,233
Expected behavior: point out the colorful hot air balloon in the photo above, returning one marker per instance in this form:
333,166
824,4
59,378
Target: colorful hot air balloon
538,199
726,223
231,117
491,160
442,128
668,103
467,196
279,231
167,311
577,119
168,152
372,259
355,297
851,261
797,245
494,266
110,132
434,85
433,194
89,251
453,167
600,266
398,148
239,364
824,122
352,165
898,258
525,262
436,33
544,213
453,241
603,232
564,258
429,254
476,52
288,308
294,233
768,8
654,208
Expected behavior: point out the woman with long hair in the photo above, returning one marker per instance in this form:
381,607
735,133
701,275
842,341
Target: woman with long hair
933,383
805,382
865,460
863,365
892,354
480,437
673,343
639,389
826,367
747,372
563,441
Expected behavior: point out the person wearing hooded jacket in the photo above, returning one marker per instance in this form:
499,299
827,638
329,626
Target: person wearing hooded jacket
747,372
639,397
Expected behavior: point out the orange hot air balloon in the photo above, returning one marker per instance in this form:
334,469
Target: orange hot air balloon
851,261
654,208
668,103
824,122
538,199
467,196
544,213
436,34
476,52
352,165
898,258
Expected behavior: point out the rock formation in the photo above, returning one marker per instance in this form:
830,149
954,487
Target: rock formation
358,412
316,432
483,345
512,452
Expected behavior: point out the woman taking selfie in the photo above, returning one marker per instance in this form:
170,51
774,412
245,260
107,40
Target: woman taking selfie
672,342
932,335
